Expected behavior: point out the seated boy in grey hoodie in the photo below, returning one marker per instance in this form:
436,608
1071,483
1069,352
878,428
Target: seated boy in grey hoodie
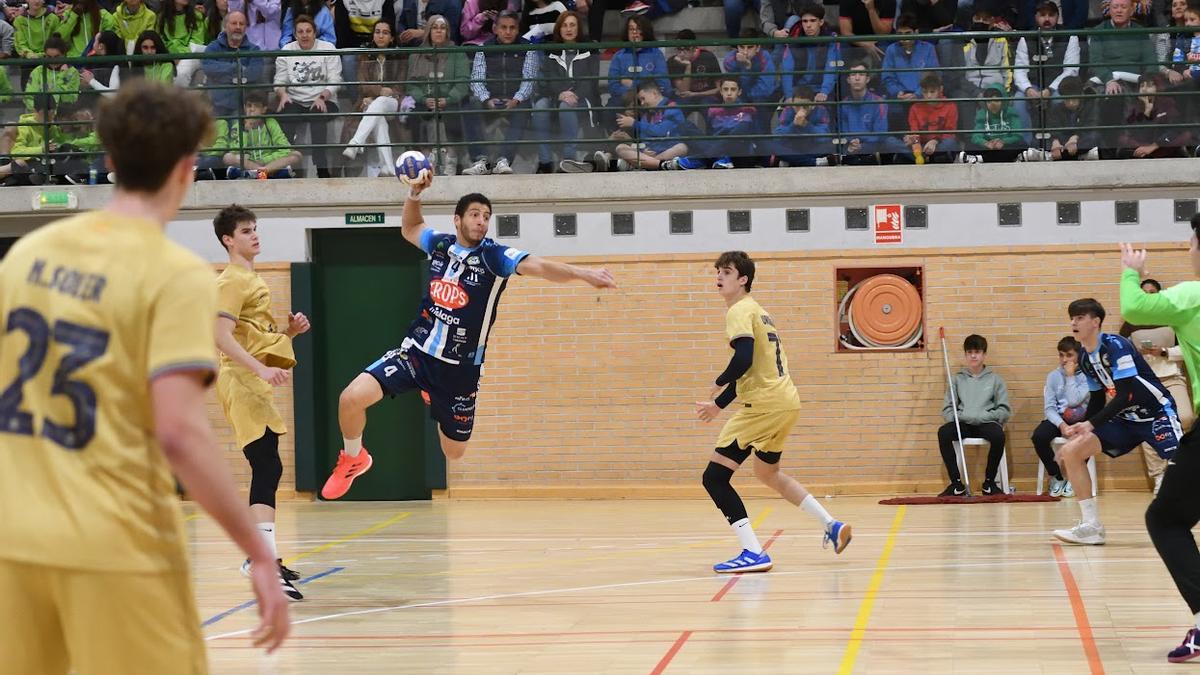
982,403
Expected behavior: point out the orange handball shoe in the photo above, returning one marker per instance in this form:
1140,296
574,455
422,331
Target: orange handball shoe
348,468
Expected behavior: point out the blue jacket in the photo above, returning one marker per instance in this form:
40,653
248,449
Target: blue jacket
224,71
452,11
819,64
661,122
818,123
1185,46
325,30
897,79
863,119
759,81
647,63
731,121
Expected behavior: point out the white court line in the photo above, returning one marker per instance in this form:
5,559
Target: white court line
1050,562
624,539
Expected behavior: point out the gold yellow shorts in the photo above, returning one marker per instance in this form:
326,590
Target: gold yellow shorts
55,620
249,405
764,431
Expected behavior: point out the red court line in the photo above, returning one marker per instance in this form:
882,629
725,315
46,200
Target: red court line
730,584
666,659
1081,618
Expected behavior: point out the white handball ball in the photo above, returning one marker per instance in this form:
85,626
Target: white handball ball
410,164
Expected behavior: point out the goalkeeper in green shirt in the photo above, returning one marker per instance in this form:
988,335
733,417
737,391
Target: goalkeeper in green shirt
1176,509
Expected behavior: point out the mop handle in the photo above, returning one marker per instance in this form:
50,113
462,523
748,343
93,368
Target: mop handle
953,401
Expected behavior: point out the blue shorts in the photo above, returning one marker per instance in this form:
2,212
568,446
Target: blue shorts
449,390
1119,436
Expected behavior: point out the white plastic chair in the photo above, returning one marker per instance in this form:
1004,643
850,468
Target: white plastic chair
962,461
1056,444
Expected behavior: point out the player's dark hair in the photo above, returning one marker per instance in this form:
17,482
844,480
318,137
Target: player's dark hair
1153,282
729,78
739,261
147,128
227,219
908,21
465,202
1086,307
975,343
649,85
1068,344
1196,225
812,9
55,42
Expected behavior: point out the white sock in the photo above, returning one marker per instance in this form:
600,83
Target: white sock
267,530
746,537
352,446
1088,508
814,509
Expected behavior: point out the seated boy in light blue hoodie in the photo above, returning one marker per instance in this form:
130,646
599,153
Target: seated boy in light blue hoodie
1066,398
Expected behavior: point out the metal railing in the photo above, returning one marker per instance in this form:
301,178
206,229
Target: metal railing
846,128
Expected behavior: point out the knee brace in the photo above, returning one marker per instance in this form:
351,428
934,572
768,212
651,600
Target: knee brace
716,482
265,468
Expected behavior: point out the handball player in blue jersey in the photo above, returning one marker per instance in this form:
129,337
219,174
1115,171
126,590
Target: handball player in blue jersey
1139,410
443,352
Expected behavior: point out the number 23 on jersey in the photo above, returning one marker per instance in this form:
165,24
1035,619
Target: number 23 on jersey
83,345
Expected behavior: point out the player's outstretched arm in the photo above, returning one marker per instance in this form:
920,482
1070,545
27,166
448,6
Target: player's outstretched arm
412,223
231,348
182,429
563,273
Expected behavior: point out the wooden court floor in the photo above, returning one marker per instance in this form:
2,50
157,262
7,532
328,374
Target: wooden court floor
626,587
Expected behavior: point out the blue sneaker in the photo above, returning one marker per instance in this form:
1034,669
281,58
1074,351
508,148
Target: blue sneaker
745,562
233,173
723,163
838,534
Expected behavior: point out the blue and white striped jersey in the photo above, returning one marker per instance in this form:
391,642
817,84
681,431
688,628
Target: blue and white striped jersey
1115,359
459,306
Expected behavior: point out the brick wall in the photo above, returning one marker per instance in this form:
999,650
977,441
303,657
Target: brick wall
278,278
591,394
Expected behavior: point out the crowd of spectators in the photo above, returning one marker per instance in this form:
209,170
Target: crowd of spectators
964,92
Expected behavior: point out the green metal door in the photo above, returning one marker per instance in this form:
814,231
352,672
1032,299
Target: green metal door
366,287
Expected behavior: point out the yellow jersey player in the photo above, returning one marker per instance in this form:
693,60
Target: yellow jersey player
757,376
254,357
106,351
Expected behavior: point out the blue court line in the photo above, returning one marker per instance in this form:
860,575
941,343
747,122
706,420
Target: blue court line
250,603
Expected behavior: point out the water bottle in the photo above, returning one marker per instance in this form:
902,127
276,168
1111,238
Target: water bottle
918,153
93,176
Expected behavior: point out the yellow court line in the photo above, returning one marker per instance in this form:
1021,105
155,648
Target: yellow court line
864,610
558,562
761,517
350,537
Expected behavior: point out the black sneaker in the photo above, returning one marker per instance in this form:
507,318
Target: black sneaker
990,488
955,489
290,575
290,591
